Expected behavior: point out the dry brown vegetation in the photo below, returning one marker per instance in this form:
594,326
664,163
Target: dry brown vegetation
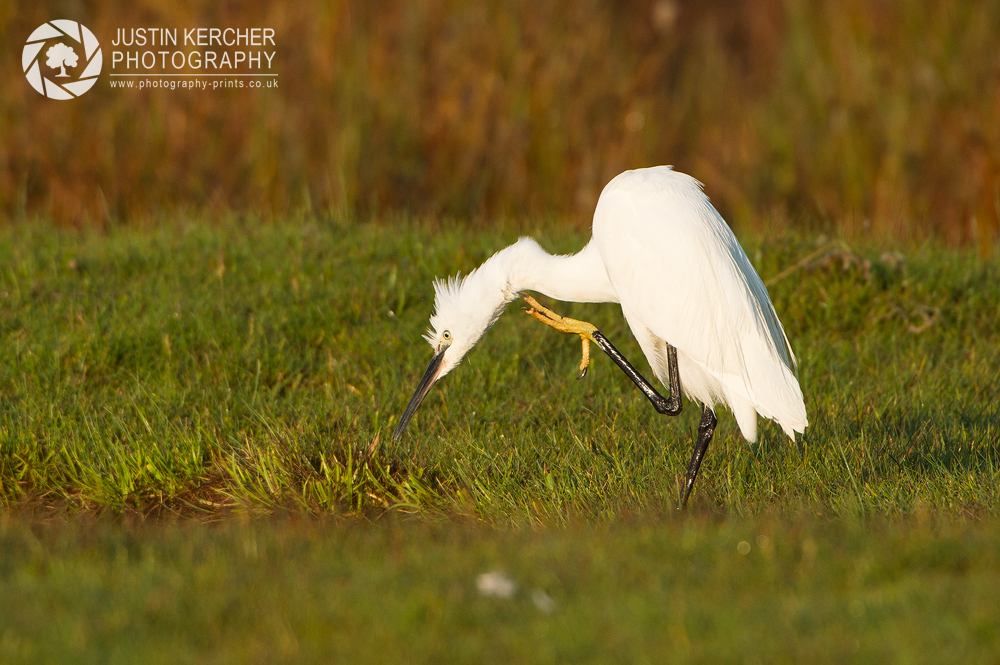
878,118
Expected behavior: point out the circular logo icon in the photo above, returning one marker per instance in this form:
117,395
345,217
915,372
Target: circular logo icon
62,59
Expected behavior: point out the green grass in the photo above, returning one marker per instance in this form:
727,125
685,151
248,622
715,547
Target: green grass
678,590
262,368
155,381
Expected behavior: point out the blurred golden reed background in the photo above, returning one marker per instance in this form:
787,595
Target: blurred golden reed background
877,118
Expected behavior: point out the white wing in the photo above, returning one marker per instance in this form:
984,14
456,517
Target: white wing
679,270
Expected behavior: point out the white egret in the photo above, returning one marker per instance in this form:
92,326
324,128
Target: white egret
690,295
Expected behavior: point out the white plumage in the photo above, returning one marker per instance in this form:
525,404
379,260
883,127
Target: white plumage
660,249
682,278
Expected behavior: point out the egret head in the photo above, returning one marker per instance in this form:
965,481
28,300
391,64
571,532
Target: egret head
464,309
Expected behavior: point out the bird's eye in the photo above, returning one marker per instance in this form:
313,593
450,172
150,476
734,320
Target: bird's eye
446,335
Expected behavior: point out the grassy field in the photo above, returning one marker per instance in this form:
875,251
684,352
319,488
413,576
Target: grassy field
262,369
232,370
680,589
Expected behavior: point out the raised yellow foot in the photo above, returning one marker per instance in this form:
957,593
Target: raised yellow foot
563,324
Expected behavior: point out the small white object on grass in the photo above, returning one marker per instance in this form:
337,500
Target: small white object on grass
496,585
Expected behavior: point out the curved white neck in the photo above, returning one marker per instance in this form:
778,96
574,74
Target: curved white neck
579,277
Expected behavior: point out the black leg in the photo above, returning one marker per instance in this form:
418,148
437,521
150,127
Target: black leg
667,406
706,428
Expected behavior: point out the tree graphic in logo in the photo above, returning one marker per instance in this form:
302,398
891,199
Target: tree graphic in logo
60,57
65,40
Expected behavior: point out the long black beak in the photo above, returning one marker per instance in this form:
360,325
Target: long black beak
430,376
